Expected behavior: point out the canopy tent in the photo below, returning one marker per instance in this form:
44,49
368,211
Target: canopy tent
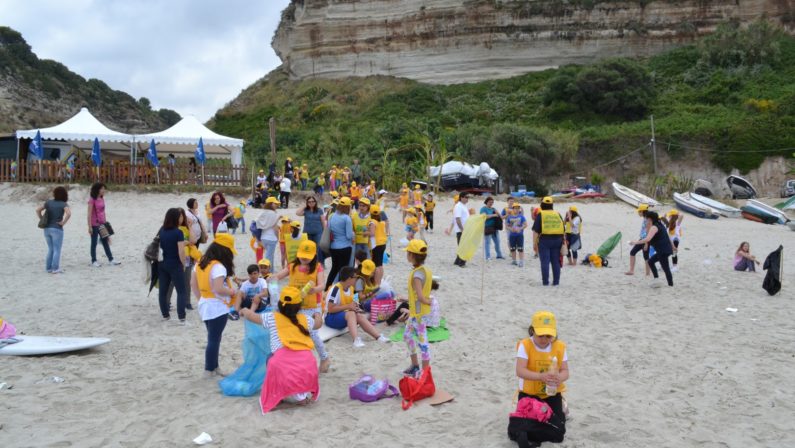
80,131
182,138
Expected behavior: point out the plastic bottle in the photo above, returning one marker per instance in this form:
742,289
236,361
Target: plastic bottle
553,368
305,290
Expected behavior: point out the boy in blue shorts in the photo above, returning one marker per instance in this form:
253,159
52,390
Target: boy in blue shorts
516,223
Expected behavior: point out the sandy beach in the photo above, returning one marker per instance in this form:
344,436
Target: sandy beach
666,367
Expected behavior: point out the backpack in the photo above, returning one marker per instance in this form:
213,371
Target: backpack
152,251
369,389
256,232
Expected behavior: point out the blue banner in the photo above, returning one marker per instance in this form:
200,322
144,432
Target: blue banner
35,146
96,153
201,158
152,154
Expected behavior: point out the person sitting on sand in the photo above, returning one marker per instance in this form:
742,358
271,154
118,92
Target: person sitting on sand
539,379
743,260
344,309
253,293
292,373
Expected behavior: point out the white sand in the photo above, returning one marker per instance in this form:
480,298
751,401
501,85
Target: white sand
666,367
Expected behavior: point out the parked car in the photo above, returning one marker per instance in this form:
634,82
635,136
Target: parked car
788,189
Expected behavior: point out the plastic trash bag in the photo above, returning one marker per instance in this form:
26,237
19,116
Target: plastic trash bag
247,379
471,237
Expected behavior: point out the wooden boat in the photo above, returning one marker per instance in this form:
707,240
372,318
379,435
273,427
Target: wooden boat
751,214
684,203
632,197
740,188
763,208
719,207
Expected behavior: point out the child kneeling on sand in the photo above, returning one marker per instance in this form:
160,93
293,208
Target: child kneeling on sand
344,311
543,368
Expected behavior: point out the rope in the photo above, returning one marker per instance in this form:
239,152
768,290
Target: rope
622,157
692,148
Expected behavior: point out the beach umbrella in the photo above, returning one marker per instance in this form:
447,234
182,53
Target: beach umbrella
201,157
35,146
152,153
96,155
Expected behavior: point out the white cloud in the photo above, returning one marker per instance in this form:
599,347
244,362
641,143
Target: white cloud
192,56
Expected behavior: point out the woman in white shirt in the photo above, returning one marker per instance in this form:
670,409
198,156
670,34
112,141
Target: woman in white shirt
268,222
214,292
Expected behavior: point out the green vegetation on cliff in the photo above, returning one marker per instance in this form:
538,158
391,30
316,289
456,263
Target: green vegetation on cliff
732,93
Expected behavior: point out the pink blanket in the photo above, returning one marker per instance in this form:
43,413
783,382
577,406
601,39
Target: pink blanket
290,372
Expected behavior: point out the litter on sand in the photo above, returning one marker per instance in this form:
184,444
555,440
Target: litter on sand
203,439
731,310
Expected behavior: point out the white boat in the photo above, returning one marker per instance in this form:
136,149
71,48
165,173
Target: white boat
685,203
719,207
741,188
632,197
782,217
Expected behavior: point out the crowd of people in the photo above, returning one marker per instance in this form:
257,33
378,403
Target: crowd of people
293,299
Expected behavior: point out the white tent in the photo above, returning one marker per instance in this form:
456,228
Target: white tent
183,137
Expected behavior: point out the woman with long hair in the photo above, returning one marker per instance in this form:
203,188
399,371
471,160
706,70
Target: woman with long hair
573,226
268,222
58,214
220,209
171,271
214,293
341,228
657,237
96,217
314,222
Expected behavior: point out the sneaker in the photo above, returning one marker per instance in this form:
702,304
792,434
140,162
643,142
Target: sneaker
115,262
183,323
521,264
655,284
358,343
57,271
189,307
675,269
383,339
412,371
513,263
96,264
234,314
501,258
166,318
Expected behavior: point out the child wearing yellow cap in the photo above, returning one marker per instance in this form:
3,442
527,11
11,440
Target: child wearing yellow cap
419,301
417,193
380,239
430,204
642,209
344,309
404,198
239,212
673,222
412,223
572,226
284,230
542,367
293,239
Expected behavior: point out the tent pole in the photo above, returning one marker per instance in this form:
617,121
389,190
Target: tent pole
18,167
132,151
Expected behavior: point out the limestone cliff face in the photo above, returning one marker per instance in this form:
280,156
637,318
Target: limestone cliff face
451,41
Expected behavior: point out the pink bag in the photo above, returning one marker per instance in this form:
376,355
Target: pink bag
7,330
381,309
533,409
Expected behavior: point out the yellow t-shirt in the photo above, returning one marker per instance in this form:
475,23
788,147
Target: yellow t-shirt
360,226
413,222
380,233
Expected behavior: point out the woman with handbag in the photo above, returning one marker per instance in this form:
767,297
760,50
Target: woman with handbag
98,227
314,223
341,230
172,269
219,209
53,215
268,223
492,228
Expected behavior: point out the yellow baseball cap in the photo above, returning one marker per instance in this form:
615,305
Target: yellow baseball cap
295,224
226,240
411,210
455,197
643,207
345,201
417,247
290,159
368,267
673,212
353,184
404,184
264,262
290,296
547,200
364,201
334,194
417,186
375,210
284,219
573,208
261,171
544,324
516,205
272,200
307,249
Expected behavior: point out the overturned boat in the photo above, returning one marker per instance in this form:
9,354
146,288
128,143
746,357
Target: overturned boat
464,176
740,188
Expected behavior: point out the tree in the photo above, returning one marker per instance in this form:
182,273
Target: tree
169,116
145,103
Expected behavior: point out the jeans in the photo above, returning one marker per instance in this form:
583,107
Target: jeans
105,244
303,184
270,250
172,272
428,220
339,259
745,265
487,239
54,239
663,259
549,253
215,328
321,257
241,224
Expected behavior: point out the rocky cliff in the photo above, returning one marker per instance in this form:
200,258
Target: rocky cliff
453,41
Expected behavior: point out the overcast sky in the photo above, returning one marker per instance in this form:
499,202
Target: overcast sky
192,56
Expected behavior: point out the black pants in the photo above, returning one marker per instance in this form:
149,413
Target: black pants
639,248
428,220
663,259
675,256
284,198
172,273
458,261
339,259
397,313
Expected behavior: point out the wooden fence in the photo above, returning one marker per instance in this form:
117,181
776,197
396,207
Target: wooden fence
122,172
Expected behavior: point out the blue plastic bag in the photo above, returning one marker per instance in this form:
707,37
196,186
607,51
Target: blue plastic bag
386,258
247,379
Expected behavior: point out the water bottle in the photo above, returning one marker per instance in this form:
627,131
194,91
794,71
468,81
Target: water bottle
356,298
374,387
553,368
305,290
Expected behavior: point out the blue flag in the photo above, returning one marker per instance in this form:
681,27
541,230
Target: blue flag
152,154
201,158
96,154
35,146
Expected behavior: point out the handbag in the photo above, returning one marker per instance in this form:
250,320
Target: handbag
152,251
105,230
415,389
381,309
498,226
490,230
231,222
325,241
43,220
368,389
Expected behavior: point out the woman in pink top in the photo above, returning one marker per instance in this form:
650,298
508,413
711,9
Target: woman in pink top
743,260
220,209
96,217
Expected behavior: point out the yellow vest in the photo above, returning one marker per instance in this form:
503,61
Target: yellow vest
205,282
413,223
360,226
404,197
551,223
539,362
346,297
298,279
380,233
355,192
417,308
207,210
290,335
429,206
236,212
291,245
418,196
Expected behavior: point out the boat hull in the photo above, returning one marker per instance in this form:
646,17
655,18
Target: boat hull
632,197
688,205
718,207
780,216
